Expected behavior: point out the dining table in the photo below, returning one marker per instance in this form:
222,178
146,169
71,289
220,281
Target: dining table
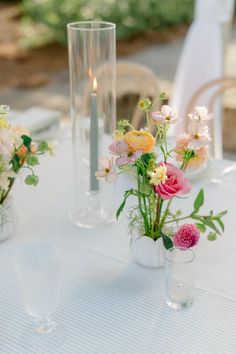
108,303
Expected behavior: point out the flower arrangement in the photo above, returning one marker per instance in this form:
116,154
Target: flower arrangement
148,158
17,152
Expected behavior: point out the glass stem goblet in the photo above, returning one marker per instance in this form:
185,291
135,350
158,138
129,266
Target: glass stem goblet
38,268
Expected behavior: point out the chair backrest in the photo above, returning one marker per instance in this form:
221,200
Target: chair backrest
215,88
139,81
133,82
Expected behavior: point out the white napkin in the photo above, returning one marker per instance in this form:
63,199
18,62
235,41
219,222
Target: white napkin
36,119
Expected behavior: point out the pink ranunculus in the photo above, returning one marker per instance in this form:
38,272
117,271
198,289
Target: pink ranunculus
175,184
187,236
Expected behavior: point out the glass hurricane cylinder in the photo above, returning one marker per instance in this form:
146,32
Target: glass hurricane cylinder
92,62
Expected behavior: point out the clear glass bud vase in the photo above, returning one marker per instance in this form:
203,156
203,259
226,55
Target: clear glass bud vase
8,219
92,61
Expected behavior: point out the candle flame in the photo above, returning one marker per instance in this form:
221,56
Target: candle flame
95,85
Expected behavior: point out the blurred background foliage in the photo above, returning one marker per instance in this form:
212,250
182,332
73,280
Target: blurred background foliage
131,16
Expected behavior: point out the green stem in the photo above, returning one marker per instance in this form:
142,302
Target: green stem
179,219
165,213
157,211
165,143
4,196
148,121
145,207
140,207
150,212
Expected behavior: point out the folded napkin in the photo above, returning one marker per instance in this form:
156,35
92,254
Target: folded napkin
36,119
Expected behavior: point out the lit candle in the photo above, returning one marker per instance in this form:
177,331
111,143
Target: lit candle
180,292
94,184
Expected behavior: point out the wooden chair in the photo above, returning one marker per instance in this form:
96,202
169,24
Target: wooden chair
133,82
138,81
215,89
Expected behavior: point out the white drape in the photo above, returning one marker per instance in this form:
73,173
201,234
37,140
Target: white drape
202,55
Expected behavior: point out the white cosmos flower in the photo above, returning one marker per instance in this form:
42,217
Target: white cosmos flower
199,135
167,115
200,114
106,170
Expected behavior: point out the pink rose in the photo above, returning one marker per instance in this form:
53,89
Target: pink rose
187,236
175,184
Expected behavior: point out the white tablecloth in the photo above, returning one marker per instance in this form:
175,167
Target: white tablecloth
108,303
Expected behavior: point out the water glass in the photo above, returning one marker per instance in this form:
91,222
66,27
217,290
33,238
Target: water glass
38,268
179,271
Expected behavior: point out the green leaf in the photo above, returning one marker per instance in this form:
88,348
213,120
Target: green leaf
32,180
15,163
221,224
167,241
201,227
43,146
32,160
122,205
212,236
221,214
199,201
145,188
163,96
26,141
196,217
210,224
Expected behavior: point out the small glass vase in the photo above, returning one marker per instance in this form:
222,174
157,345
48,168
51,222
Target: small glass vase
179,269
8,219
147,252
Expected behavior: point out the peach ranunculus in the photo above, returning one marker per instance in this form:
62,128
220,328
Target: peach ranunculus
201,157
140,140
19,130
175,184
182,145
22,151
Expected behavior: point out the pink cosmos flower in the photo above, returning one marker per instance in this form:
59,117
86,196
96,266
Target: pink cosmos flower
167,115
187,236
119,147
128,159
124,155
107,170
175,184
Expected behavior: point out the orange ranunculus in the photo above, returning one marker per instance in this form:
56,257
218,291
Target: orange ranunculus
140,140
